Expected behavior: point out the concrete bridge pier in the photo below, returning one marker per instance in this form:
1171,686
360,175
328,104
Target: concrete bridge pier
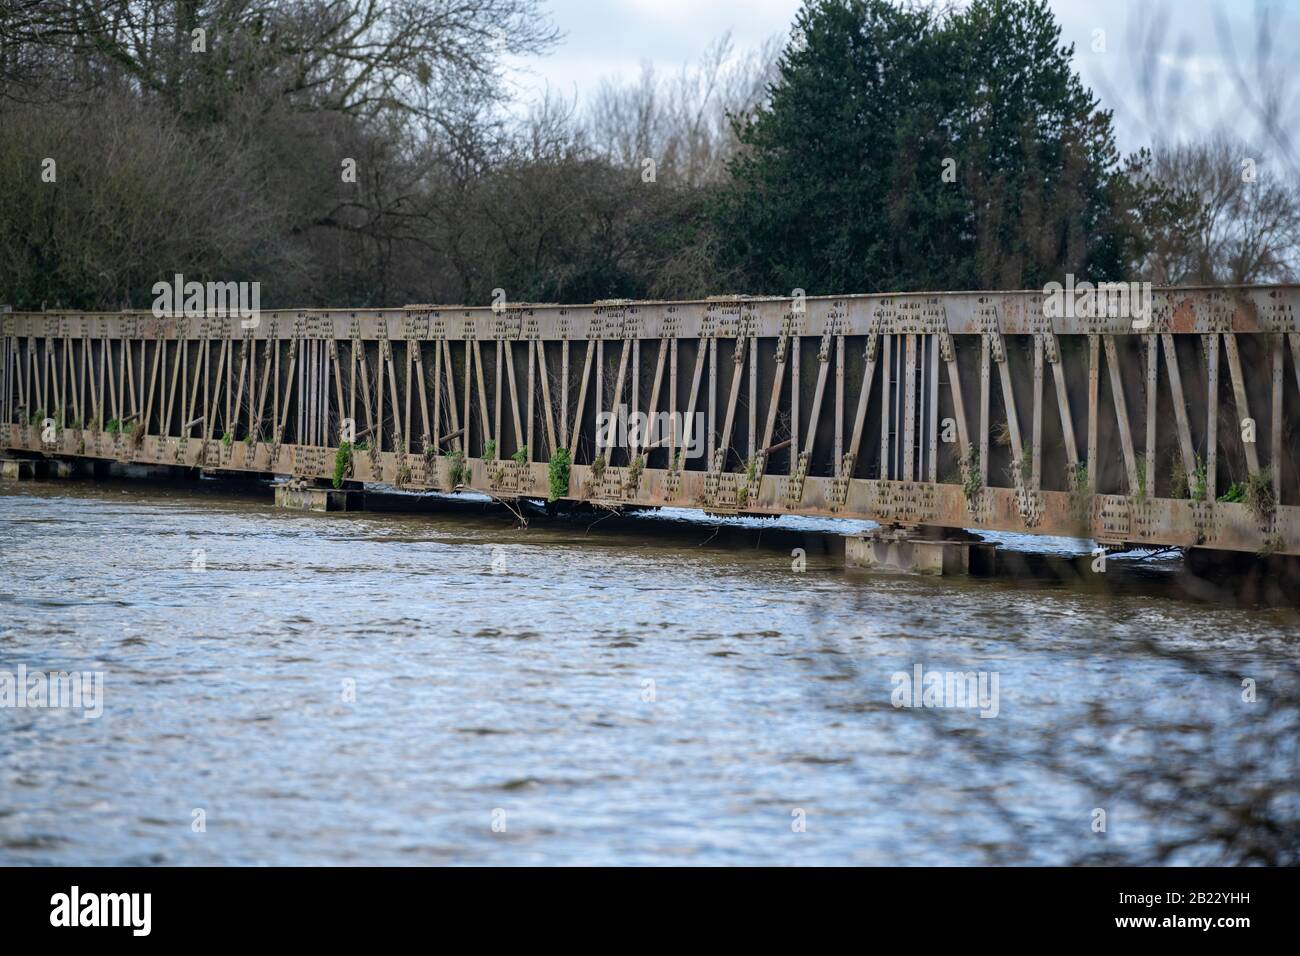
97,468
300,494
32,468
18,469
921,550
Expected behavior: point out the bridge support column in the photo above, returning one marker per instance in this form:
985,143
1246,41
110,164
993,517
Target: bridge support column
17,469
919,551
99,469
298,495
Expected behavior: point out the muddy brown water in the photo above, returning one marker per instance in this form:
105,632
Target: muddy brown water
444,687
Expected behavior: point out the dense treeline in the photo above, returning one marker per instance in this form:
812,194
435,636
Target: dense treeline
354,152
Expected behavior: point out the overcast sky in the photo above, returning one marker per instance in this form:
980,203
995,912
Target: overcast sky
1203,71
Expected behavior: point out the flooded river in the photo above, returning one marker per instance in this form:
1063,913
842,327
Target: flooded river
443,687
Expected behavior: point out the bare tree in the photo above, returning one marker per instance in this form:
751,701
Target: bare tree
240,112
353,56
683,122
1247,227
100,204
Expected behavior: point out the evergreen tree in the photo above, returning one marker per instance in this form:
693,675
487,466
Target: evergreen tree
906,150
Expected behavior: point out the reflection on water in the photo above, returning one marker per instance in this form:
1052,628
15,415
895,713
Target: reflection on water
445,688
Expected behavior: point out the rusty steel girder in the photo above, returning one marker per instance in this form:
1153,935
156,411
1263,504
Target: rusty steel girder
982,410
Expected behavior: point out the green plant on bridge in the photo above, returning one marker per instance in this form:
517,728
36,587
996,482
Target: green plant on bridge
972,483
1236,493
37,417
342,464
137,434
1080,497
1079,480
114,427
403,475
558,472
1259,496
490,448
598,467
632,480
227,439
1200,481
1177,477
521,455
457,471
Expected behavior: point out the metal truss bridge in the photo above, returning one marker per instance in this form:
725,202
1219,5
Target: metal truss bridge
977,410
